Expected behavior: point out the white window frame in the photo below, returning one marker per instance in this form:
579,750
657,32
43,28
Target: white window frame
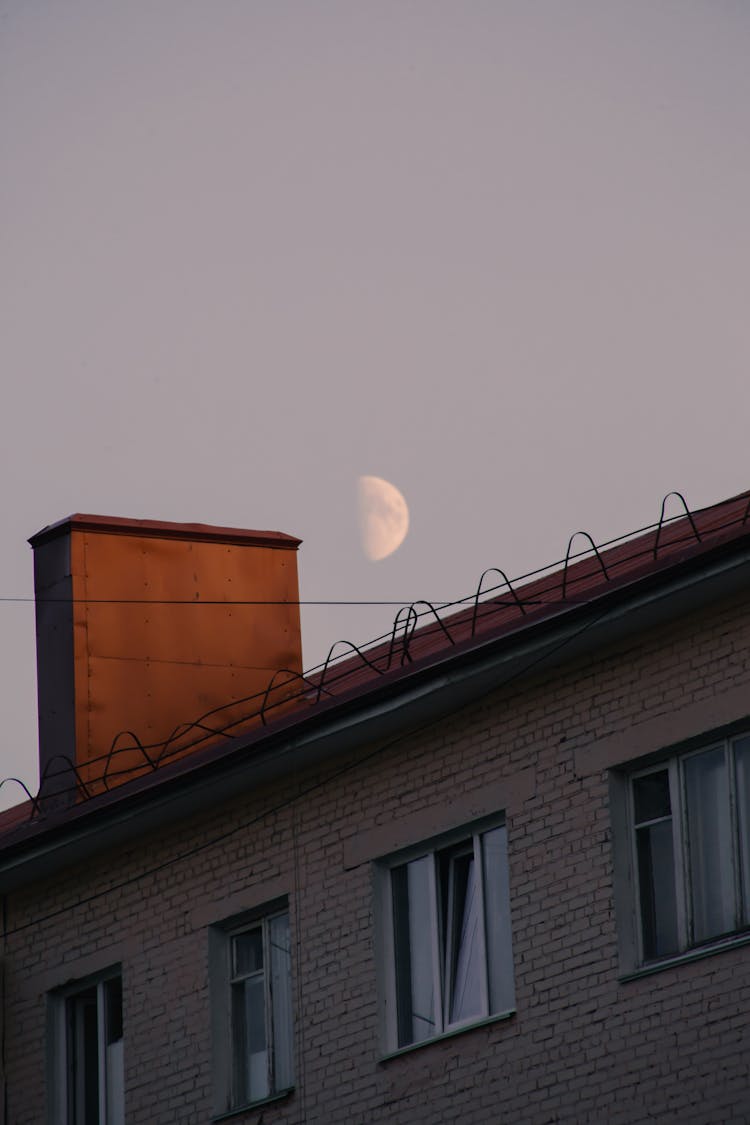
62,1068
687,943
222,978
440,943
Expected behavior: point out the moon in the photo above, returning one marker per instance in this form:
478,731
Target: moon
383,517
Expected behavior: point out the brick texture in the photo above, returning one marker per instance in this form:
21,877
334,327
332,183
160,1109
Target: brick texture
582,1045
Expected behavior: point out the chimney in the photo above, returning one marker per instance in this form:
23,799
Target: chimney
143,627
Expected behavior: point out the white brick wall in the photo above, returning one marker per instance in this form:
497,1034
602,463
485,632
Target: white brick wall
671,1047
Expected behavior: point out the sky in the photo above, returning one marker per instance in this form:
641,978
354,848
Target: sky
496,253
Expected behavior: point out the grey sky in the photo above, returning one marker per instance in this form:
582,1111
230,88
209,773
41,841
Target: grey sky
494,252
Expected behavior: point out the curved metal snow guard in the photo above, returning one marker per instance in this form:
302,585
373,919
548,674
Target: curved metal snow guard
660,525
594,548
313,687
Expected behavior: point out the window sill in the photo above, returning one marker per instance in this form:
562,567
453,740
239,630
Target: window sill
496,1018
250,1106
698,954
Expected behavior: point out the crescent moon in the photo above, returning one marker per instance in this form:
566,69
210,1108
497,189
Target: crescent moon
383,517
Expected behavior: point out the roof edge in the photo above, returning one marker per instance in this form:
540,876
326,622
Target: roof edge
165,529
565,636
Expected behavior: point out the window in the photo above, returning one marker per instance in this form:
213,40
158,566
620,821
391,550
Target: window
690,840
252,1009
87,1086
446,936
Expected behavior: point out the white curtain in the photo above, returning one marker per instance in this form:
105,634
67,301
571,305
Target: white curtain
466,1000
710,844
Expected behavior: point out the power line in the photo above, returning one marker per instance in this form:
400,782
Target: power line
404,603
549,569
543,599
223,601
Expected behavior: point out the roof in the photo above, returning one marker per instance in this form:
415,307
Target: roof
18,814
161,529
425,642
545,593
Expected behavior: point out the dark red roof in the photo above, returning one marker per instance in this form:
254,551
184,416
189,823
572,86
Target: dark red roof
424,635
10,818
553,590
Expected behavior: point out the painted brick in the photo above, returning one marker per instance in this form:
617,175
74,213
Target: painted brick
582,1046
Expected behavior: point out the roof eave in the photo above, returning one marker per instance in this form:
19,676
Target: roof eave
397,705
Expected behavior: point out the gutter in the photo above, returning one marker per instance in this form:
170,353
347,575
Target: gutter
404,702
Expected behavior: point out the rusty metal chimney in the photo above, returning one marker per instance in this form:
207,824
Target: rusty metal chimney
143,626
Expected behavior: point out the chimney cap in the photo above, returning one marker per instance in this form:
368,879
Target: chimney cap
165,529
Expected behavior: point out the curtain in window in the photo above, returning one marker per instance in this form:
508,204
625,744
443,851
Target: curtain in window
415,967
249,1036
709,844
465,940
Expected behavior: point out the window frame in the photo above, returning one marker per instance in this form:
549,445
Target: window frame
633,956
440,944
222,980
61,1111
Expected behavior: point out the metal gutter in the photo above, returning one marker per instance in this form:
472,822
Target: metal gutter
400,705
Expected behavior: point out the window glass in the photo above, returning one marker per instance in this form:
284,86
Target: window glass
113,1009
415,996
252,999
114,1051
709,844
497,919
92,1083
451,941
654,839
281,1000
249,1027
656,881
690,824
83,1058
461,927
651,796
742,765
248,952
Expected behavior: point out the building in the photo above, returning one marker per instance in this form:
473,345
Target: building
496,868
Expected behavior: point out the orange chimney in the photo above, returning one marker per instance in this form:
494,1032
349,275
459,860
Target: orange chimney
143,627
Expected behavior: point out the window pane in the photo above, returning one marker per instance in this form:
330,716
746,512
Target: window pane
412,937
112,990
247,952
651,796
83,1058
657,890
249,1038
497,920
709,844
115,1083
742,760
113,1009
281,1002
463,968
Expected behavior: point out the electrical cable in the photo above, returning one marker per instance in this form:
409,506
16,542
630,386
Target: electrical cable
444,603
30,598
490,604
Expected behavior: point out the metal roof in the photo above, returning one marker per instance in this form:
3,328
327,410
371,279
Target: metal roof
427,643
